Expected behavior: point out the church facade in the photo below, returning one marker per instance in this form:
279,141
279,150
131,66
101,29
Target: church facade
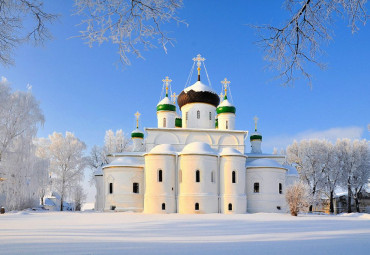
196,163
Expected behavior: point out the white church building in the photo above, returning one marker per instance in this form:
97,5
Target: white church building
196,163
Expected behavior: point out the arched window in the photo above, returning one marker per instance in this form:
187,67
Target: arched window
198,114
160,175
180,176
110,188
212,176
135,187
233,177
197,176
197,206
227,124
163,206
256,187
210,115
186,116
280,188
164,122
230,207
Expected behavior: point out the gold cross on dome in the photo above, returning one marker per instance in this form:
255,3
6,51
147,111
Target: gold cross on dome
167,82
199,60
137,115
221,95
255,123
226,83
174,97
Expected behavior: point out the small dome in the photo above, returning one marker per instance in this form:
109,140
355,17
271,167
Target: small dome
256,136
178,122
228,151
163,149
264,162
198,93
226,107
198,148
137,133
125,161
166,105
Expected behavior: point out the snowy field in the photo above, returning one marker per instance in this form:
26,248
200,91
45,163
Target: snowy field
128,233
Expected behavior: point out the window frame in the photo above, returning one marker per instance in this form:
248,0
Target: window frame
280,188
233,176
111,188
135,188
197,176
164,122
196,206
160,175
198,114
256,187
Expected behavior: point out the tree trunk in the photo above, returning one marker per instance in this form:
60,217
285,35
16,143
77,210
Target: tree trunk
313,195
357,202
332,202
349,196
61,203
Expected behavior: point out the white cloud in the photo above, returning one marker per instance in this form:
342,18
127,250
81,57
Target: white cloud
332,134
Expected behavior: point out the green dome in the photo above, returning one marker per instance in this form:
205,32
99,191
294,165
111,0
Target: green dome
256,136
226,107
137,134
178,122
166,105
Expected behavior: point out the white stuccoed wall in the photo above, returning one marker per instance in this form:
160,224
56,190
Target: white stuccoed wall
170,119
205,192
157,192
99,197
268,198
203,121
233,193
223,117
123,197
138,144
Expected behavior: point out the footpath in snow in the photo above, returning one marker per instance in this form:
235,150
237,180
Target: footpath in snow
130,233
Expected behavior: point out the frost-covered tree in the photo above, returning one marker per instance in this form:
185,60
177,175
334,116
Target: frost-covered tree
115,143
20,168
22,21
309,158
79,196
67,162
354,166
298,41
298,198
131,25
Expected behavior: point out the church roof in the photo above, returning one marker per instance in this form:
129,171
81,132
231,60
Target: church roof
198,148
264,162
137,133
163,149
125,161
198,93
228,151
256,136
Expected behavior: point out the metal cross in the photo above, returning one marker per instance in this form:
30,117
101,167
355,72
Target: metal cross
225,82
174,96
221,96
199,59
137,115
255,123
167,82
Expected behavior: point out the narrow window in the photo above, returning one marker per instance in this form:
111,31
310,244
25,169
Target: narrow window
197,176
135,187
110,188
180,176
230,207
210,116
212,177
186,115
113,207
164,122
233,177
280,188
197,206
198,114
160,176
163,206
256,187
227,124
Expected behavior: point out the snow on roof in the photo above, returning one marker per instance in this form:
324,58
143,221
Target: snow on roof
225,102
228,151
291,170
48,201
125,161
163,149
137,131
264,162
165,100
199,86
198,148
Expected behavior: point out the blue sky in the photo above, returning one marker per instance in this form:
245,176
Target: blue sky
82,90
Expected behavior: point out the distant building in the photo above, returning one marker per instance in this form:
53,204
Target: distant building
196,163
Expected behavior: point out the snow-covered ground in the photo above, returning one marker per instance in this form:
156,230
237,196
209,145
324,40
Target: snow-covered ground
129,233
